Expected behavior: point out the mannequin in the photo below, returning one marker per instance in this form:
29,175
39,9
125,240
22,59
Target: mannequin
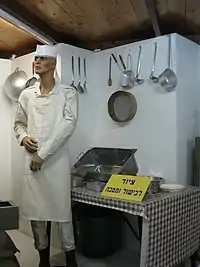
45,119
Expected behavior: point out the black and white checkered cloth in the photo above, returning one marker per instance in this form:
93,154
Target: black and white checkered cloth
174,222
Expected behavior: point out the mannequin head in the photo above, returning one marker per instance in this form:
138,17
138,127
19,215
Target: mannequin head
44,65
45,60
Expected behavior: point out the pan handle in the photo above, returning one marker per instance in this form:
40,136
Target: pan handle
138,63
129,61
154,59
116,61
73,78
122,61
169,51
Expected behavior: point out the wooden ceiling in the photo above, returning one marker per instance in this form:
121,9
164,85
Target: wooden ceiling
99,23
14,41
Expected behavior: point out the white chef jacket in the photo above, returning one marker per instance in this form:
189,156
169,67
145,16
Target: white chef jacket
51,120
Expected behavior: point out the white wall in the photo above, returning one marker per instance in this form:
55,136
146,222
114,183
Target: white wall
187,105
85,129
149,130
5,133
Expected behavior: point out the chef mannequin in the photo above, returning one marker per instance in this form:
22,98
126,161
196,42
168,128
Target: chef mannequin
45,119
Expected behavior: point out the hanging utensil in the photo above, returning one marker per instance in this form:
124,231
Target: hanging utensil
73,76
152,75
137,79
122,106
85,76
32,80
127,76
116,61
109,76
168,79
15,84
122,62
79,86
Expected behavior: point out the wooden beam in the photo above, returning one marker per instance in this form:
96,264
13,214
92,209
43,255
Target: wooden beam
153,14
23,14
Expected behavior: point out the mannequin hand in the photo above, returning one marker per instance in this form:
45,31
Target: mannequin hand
30,144
36,163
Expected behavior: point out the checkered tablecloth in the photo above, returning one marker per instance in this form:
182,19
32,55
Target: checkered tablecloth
173,222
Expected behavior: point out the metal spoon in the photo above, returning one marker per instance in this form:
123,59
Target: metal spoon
73,78
152,76
137,79
109,77
79,86
85,76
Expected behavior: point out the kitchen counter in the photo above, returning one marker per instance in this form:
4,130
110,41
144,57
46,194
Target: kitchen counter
171,223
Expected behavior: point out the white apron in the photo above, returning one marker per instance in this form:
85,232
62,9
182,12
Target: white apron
46,194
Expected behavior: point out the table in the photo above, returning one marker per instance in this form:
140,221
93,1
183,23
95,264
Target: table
171,223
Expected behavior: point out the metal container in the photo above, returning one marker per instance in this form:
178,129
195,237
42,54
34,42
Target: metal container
96,186
77,181
154,187
100,163
9,215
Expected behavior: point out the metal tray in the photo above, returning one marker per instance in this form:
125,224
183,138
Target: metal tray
9,216
100,163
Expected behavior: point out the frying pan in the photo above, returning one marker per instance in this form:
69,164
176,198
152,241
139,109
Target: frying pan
15,84
122,106
32,80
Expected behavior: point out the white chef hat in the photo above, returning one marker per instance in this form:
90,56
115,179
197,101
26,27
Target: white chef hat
50,51
46,51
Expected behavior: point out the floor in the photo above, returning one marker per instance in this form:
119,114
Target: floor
28,257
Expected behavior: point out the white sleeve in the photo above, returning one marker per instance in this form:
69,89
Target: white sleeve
63,131
20,123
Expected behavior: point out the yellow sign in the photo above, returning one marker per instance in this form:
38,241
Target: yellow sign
127,187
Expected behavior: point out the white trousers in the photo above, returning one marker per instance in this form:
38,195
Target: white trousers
65,230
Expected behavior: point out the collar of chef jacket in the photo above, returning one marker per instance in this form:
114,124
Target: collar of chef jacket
53,92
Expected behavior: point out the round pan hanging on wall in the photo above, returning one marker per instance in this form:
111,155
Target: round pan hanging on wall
122,106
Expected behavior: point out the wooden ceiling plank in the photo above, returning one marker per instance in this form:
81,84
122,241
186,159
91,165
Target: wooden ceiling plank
108,18
177,6
151,7
12,38
19,11
139,7
162,7
58,18
193,15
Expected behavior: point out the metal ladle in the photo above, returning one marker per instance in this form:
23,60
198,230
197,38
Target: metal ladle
137,79
79,86
152,75
73,78
168,79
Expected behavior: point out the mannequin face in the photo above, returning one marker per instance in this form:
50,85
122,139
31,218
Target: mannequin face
44,65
